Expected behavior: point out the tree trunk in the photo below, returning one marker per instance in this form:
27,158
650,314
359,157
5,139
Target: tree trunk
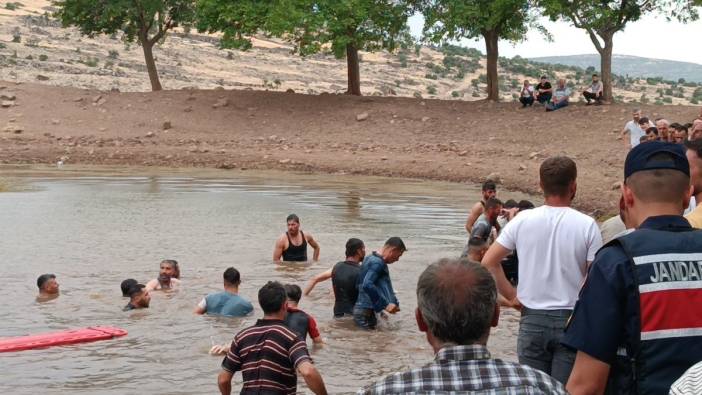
354,72
491,38
606,69
151,64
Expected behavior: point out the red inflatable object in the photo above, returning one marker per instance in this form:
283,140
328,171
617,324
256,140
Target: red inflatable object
84,335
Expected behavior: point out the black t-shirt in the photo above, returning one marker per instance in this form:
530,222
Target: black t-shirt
544,85
344,281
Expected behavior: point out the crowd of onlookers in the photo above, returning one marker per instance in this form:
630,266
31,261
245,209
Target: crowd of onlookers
642,129
554,98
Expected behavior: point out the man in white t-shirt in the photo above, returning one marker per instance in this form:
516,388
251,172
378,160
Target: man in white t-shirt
634,130
554,244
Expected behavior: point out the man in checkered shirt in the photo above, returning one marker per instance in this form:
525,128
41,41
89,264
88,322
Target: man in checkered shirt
457,305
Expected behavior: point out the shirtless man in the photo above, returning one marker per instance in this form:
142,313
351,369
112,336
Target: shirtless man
489,191
48,287
291,246
168,276
344,276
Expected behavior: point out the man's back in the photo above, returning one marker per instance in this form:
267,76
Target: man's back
553,245
468,369
267,354
228,304
344,282
482,228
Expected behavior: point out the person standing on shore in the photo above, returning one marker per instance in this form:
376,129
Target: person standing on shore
291,246
344,276
489,190
634,130
375,292
554,245
637,326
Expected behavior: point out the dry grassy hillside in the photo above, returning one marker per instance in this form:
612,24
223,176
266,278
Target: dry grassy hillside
34,47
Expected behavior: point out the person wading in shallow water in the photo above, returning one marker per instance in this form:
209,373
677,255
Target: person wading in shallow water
489,191
48,287
291,246
168,276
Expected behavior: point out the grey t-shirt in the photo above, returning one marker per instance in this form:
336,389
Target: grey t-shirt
482,228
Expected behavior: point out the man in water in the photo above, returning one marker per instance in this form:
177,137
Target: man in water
268,354
168,277
483,226
291,246
634,130
297,320
139,298
227,303
344,276
126,284
489,190
456,307
476,249
375,292
48,287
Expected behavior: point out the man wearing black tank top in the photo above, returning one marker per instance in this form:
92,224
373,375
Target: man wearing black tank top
291,246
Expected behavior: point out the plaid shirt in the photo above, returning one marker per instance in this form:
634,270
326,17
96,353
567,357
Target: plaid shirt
468,369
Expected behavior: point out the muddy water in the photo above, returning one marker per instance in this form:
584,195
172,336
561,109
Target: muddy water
94,229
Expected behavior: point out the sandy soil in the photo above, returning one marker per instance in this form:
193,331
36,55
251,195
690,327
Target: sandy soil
431,139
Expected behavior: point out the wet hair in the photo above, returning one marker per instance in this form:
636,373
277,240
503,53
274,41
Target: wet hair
694,145
557,174
292,217
175,266
659,185
353,245
477,243
43,279
492,203
511,203
232,276
525,205
135,290
489,185
396,242
126,285
293,292
457,300
643,139
272,297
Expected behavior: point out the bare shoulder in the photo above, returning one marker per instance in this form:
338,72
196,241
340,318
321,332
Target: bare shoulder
152,284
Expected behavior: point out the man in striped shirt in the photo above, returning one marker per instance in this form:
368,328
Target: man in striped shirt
269,354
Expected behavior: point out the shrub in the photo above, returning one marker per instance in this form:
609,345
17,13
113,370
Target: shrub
29,57
455,94
43,58
668,100
16,37
431,89
430,76
13,6
113,54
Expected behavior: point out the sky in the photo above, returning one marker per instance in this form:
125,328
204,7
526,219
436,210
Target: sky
651,37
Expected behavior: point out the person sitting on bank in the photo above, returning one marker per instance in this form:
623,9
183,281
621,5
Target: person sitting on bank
48,287
139,297
561,96
456,307
297,320
544,90
594,91
291,246
168,276
228,302
268,354
344,276
126,285
526,96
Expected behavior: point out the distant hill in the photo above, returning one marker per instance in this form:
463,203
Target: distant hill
633,66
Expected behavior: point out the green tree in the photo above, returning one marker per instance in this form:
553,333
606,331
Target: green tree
602,19
490,19
240,20
144,21
347,27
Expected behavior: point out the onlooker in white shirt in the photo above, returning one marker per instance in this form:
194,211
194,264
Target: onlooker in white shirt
634,130
554,245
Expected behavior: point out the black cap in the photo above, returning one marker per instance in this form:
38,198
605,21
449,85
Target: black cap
646,157
135,289
396,242
126,284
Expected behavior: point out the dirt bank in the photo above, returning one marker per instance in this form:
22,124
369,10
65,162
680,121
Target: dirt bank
443,140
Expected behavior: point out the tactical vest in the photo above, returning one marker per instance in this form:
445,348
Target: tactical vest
666,266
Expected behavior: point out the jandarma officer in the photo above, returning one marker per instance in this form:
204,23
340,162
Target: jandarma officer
638,323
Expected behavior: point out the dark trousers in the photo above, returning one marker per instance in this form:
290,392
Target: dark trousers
365,318
592,96
544,98
526,101
539,342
